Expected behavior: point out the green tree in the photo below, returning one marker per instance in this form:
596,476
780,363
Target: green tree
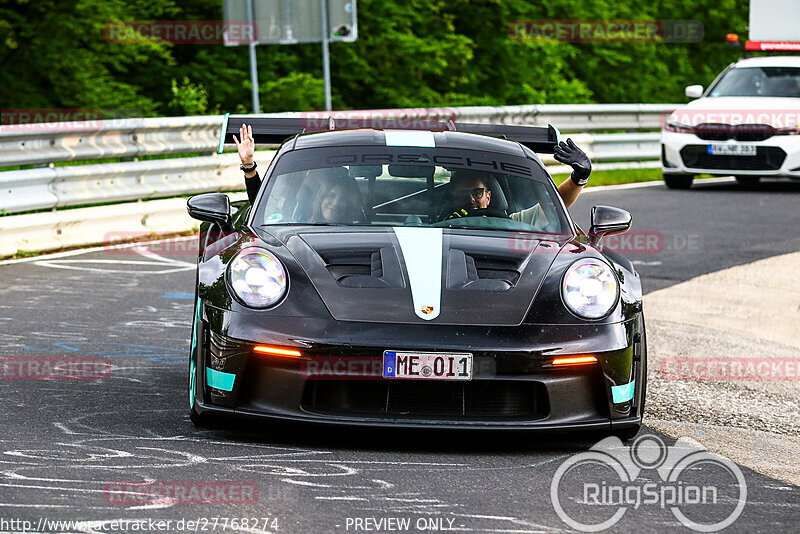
410,53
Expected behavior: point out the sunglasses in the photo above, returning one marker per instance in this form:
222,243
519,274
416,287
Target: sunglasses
476,193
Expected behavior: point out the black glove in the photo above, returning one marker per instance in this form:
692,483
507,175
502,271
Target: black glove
573,156
456,214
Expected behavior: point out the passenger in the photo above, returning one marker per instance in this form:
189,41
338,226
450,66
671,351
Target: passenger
336,199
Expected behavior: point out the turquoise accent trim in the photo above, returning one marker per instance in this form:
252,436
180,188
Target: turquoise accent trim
558,133
222,134
220,380
623,393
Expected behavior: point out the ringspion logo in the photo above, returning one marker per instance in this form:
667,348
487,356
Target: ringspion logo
593,490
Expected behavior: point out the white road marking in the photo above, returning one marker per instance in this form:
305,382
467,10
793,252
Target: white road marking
344,498
78,252
166,265
654,183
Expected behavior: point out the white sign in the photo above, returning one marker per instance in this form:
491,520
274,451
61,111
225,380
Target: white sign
775,20
294,21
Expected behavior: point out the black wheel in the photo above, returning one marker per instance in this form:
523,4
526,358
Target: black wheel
748,181
199,420
678,181
198,334
489,212
644,363
629,433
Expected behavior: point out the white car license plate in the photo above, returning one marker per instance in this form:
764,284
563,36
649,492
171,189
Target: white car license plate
732,150
427,365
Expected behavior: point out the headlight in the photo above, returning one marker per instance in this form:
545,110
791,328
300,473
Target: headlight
257,278
674,126
590,288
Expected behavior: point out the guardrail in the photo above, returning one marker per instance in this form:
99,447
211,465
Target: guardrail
54,187
43,144
59,187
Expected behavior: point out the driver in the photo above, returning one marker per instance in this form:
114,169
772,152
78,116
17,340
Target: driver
469,190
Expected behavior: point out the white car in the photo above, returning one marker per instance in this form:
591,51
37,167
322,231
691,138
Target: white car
746,124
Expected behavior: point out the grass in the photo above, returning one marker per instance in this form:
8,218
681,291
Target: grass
24,254
623,176
138,239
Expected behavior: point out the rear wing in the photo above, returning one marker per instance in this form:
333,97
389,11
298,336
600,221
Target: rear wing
271,130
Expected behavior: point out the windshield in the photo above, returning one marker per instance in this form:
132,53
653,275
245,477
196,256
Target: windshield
759,81
400,186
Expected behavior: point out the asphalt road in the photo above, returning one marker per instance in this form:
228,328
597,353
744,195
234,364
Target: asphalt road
63,442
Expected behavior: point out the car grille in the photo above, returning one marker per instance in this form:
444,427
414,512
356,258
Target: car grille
739,132
428,399
766,158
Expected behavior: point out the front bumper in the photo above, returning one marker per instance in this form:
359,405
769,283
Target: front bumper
684,153
514,386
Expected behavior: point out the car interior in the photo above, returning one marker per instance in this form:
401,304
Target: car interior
400,195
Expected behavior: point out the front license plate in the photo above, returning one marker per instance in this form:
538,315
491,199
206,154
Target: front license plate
732,150
427,365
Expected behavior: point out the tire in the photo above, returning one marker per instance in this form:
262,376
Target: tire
626,434
679,181
199,420
748,181
644,364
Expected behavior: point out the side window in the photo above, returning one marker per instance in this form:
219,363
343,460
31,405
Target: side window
282,197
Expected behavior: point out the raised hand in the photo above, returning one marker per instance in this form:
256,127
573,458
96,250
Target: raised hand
570,154
247,146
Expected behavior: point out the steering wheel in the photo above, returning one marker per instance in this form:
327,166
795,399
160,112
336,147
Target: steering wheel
478,212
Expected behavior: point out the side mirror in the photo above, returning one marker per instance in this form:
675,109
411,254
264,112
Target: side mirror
694,91
211,207
607,220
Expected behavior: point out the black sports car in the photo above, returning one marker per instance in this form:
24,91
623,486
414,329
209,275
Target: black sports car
361,287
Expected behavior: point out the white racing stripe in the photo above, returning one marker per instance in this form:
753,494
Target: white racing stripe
409,138
422,253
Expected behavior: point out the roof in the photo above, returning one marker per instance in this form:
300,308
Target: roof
771,61
369,137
